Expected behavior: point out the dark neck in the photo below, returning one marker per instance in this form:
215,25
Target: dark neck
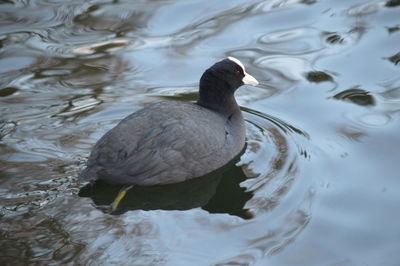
216,94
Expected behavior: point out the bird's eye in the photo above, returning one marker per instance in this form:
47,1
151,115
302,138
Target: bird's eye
237,73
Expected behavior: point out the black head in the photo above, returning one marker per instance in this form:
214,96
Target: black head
219,83
228,74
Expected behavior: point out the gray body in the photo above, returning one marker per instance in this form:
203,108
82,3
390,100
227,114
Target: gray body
167,142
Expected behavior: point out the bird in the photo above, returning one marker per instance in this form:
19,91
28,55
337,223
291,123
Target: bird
173,141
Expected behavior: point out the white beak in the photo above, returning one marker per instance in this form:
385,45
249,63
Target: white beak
249,80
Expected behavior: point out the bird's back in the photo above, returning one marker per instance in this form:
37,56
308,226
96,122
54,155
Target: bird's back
167,142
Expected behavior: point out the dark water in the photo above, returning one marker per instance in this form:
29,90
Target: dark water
318,183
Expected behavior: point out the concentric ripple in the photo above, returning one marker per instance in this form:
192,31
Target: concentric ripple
271,165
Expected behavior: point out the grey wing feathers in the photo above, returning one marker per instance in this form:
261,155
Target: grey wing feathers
147,151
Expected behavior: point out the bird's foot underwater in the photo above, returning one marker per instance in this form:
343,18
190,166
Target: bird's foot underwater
121,195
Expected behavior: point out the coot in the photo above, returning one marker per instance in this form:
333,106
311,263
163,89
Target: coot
171,141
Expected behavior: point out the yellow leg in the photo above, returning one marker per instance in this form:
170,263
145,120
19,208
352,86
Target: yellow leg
120,197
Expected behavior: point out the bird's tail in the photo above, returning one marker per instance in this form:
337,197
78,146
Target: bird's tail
88,174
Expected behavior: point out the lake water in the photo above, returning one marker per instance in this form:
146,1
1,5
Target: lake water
318,183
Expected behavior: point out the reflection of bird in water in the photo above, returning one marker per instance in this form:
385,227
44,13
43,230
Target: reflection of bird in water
216,192
171,142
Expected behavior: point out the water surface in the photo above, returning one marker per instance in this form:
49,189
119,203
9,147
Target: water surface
317,184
